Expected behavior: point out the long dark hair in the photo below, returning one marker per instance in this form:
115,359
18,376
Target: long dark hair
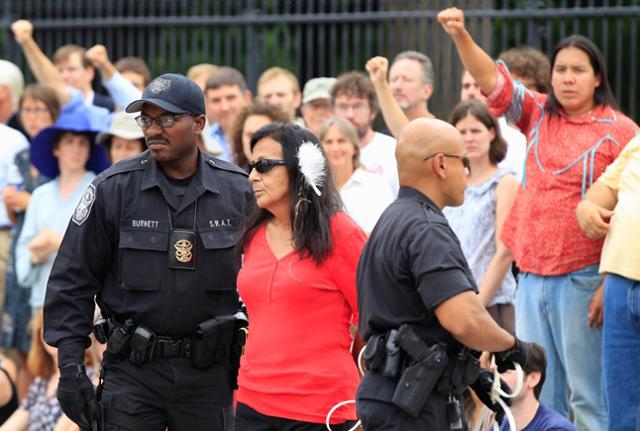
479,111
309,213
603,94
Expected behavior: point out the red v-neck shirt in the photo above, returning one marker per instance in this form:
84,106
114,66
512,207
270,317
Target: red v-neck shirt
297,364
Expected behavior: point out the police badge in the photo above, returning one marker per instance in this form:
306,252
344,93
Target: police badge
182,255
83,209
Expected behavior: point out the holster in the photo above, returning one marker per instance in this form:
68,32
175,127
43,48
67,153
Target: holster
418,379
211,341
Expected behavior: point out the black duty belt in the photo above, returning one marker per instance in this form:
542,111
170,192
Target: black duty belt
172,347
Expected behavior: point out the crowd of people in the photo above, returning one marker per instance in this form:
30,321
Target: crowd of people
507,231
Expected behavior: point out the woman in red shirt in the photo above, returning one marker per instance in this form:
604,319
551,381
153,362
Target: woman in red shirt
300,253
573,134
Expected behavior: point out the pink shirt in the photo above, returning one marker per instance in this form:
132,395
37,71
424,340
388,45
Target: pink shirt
297,364
564,157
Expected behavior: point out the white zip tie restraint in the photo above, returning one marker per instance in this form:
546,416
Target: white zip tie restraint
344,403
497,394
336,407
360,363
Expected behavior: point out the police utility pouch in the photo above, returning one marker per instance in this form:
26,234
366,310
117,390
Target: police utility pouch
211,341
419,379
143,342
374,352
182,251
119,341
392,362
101,330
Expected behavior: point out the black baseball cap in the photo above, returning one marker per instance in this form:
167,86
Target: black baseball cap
172,92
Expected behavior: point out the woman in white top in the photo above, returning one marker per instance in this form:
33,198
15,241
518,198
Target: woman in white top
365,195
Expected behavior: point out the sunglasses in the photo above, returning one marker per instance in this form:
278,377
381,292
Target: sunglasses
265,165
465,159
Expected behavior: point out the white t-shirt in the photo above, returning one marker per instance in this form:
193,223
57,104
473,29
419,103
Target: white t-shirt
365,197
12,142
516,149
379,157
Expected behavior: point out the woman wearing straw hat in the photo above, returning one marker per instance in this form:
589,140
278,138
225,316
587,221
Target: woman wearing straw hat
67,153
123,139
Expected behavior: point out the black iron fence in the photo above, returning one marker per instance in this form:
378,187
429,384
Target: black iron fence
326,37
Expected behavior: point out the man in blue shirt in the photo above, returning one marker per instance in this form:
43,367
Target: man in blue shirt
225,94
528,412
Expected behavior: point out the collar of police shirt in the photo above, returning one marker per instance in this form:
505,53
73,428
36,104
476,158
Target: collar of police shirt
203,179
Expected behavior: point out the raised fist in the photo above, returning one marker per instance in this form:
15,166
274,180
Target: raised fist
22,30
377,68
97,55
452,21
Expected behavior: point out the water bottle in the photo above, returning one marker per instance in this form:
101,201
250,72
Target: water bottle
14,178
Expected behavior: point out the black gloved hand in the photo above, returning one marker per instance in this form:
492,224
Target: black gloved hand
77,396
482,387
506,358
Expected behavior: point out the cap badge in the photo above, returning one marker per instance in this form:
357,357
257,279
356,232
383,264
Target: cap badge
159,85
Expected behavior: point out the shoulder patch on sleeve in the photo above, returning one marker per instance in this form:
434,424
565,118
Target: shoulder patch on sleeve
84,206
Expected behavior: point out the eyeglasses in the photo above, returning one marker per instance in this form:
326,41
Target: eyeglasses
465,160
165,121
265,165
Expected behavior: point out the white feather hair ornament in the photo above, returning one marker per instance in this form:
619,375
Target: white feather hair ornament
311,163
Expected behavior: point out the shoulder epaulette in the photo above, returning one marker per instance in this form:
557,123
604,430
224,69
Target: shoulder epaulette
135,163
225,166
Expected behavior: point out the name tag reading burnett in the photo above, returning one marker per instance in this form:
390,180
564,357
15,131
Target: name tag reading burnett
183,249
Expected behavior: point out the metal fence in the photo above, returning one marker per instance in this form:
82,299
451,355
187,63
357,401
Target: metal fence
326,37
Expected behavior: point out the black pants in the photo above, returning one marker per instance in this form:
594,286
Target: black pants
166,393
247,419
377,413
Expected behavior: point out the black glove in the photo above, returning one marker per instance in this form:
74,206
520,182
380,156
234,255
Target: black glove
77,396
482,387
506,358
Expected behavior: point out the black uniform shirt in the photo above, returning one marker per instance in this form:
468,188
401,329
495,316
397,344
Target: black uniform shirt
117,249
411,263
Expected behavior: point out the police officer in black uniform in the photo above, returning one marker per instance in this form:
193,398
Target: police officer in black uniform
152,240
417,298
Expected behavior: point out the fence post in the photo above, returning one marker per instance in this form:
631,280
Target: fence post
533,31
8,48
251,41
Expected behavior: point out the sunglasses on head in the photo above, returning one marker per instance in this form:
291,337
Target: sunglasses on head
265,165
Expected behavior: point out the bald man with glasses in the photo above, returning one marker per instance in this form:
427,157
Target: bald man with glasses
418,304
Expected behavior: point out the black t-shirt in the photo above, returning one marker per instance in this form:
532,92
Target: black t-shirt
411,263
179,186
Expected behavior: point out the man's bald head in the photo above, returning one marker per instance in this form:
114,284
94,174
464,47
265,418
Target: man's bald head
422,138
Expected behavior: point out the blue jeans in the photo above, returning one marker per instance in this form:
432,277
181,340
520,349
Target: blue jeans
552,311
622,351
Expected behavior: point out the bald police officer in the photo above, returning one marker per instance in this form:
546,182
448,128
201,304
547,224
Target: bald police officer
152,240
417,298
